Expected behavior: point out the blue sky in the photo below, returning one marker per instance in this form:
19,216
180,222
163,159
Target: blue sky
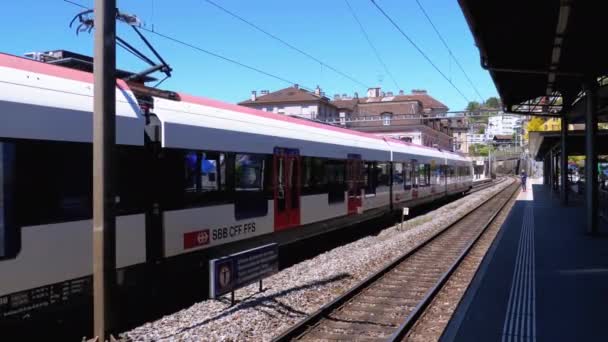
325,29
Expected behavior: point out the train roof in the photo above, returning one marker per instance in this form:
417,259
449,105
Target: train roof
54,102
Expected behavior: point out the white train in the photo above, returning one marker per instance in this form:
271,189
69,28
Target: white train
193,174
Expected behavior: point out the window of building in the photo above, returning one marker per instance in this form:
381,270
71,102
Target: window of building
386,118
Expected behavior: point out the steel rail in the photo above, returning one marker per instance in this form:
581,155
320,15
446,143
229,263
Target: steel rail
313,319
412,318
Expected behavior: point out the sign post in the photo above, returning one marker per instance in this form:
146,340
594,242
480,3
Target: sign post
234,271
404,213
104,133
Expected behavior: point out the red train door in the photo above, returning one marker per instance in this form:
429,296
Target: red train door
354,181
286,180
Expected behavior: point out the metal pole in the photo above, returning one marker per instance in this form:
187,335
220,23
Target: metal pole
591,159
564,155
104,133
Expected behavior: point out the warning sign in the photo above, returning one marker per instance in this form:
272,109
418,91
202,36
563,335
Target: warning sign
241,269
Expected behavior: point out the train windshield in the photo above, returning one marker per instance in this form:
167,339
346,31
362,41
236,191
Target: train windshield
7,174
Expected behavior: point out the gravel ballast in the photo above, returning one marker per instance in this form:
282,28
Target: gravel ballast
299,290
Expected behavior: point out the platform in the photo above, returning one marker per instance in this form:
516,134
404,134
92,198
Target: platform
543,279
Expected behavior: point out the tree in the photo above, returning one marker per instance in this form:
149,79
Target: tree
473,106
492,102
479,150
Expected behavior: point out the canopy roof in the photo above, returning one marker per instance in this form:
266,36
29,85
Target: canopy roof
535,49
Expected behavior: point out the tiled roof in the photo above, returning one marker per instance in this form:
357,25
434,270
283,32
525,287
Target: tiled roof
397,108
291,94
349,104
389,103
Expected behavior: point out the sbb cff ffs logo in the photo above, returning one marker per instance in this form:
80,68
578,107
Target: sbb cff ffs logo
196,239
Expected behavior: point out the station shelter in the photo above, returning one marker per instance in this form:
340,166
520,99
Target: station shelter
545,276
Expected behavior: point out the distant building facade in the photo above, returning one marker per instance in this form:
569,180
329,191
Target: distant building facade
386,114
378,113
503,124
294,101
460,128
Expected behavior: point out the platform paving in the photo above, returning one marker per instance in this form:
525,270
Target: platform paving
543,279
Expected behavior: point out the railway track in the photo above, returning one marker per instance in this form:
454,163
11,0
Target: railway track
387,304
486,185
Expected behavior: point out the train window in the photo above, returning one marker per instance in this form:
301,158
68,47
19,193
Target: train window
424,174
383,176
203,172
249,174
54,182
370,178
193,179
8,228
407,176
398,174
131,184
336,186
313,176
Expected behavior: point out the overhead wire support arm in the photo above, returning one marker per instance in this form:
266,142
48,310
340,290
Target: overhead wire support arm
87,23
419,50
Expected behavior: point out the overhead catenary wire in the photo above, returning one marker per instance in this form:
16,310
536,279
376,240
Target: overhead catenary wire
420,50
369,41
227,59
449,50
208,52
289,45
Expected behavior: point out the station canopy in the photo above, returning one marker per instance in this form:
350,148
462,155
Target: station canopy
539,53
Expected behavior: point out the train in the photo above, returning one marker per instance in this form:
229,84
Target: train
193,176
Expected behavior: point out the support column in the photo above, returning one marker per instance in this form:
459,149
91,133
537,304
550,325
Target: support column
104,139
591,159
550,165
546,171
564,168
556,161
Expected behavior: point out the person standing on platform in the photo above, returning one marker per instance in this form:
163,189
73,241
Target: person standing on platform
523,178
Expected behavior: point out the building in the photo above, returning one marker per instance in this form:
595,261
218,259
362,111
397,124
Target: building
379,113
503,124
399,116
459,128
476,138
294,101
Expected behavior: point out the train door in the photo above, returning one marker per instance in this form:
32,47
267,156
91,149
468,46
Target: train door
354,181
286,180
